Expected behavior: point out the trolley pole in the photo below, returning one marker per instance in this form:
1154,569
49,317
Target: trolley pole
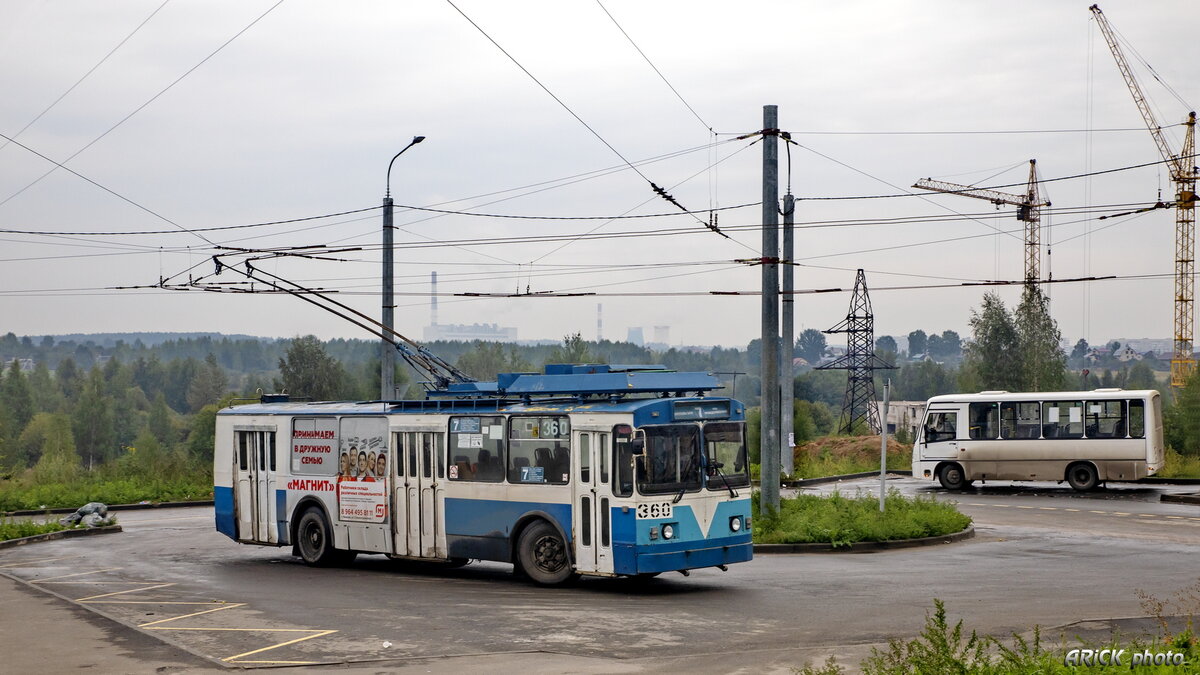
883,435
787,340
770,445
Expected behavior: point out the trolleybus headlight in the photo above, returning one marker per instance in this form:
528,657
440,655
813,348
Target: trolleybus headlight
735,523
668,531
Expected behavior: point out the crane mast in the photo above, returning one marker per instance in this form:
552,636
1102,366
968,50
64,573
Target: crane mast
1028,211
1183,174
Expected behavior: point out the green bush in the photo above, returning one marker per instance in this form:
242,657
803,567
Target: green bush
15,529
18,495
840,520
942,648
1177,465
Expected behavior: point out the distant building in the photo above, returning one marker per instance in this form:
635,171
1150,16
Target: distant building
906,415
635,336
26,365
1126,354
488,332
1143,345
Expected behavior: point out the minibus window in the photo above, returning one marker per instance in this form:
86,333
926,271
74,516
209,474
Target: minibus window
1137,419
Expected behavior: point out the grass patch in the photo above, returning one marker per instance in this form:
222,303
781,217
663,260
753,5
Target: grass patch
15,529
17,494
840,520
1177,465
838,455
945,648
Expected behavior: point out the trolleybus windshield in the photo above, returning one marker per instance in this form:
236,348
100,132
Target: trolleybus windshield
725,452
671,462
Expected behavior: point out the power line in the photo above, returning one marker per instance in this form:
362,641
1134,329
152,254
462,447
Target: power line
656,70
196,229
136,111
102,187
993,187
657,190
952,133
87,74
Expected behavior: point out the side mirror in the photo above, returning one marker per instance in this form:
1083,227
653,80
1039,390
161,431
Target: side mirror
637,447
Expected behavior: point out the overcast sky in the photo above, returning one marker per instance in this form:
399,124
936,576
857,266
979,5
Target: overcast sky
300,114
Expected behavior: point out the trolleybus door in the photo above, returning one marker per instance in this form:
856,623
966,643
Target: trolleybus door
593,498
254,465
417,497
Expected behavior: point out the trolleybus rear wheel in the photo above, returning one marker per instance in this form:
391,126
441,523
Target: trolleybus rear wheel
314,539
1082,476
542,555
952,477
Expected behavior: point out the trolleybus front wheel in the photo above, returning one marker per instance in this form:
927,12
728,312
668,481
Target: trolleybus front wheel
314,539
542,555
952,477
1082,476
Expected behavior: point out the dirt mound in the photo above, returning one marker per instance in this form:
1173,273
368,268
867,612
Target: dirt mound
861,448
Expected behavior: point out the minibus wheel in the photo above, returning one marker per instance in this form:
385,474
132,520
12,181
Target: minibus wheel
1082,476
542,555
952,477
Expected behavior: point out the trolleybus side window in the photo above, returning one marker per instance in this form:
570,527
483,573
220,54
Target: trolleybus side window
1020,420
602,441
671,462
539,450
243,441
623,460
1105,419
585,459
985,422
725,449
1137,419
941,426
476,449
1062,419
410,446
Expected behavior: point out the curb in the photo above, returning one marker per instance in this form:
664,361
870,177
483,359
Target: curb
61,534
866,546
833,479
114,507
1181,499
1149,480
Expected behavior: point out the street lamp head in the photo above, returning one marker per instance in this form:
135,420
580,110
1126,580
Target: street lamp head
388,186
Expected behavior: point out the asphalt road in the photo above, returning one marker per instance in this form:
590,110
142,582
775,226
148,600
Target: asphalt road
1042,555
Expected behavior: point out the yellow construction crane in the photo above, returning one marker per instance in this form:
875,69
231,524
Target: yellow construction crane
1028,211
1183,174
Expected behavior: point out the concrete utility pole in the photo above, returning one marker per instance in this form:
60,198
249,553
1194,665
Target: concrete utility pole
770,446
387,350
787,340
883,436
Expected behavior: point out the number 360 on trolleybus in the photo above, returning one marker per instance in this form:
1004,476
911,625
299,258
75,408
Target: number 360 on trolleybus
583,470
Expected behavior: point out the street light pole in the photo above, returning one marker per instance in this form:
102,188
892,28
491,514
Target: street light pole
387,351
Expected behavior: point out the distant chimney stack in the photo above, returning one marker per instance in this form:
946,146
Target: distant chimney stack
599,322
433,297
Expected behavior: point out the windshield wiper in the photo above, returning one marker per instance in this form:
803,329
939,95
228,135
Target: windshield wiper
717,465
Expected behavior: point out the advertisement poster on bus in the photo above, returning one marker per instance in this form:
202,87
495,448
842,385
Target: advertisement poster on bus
314,440
362,470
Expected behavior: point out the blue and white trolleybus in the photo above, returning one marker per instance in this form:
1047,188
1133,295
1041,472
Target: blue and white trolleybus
583,470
